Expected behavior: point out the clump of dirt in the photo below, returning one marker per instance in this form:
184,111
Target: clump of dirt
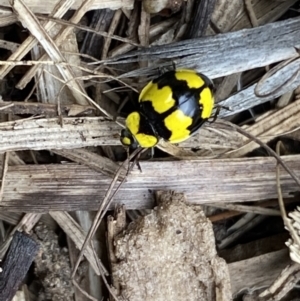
170,254
52,267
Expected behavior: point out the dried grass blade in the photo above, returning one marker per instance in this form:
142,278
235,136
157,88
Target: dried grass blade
85,6
77,235
30,42
38,31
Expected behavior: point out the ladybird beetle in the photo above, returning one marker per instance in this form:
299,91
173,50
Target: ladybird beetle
173,107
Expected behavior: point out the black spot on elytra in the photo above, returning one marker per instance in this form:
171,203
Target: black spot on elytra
187,100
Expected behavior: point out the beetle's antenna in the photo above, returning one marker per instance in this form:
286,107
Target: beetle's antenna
104,205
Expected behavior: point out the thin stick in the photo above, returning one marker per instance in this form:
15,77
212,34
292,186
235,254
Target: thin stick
250,209
280,198
251,13
241,231
223,216
134,155
35,85
265,146
90,100
88,29
102,206
109,287
4,171
286,220
7,106
113,25
83,291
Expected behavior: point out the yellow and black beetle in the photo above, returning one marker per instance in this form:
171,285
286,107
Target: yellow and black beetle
172,106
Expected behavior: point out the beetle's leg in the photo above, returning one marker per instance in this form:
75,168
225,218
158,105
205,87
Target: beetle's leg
164,69
137,157
214,118
139,166
223,107
160,71
218,109
128,166
135,161
174,66
151,153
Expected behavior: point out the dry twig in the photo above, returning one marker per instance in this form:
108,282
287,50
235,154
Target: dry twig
102,210
4,172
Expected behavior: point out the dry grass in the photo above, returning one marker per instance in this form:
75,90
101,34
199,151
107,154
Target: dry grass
74,93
